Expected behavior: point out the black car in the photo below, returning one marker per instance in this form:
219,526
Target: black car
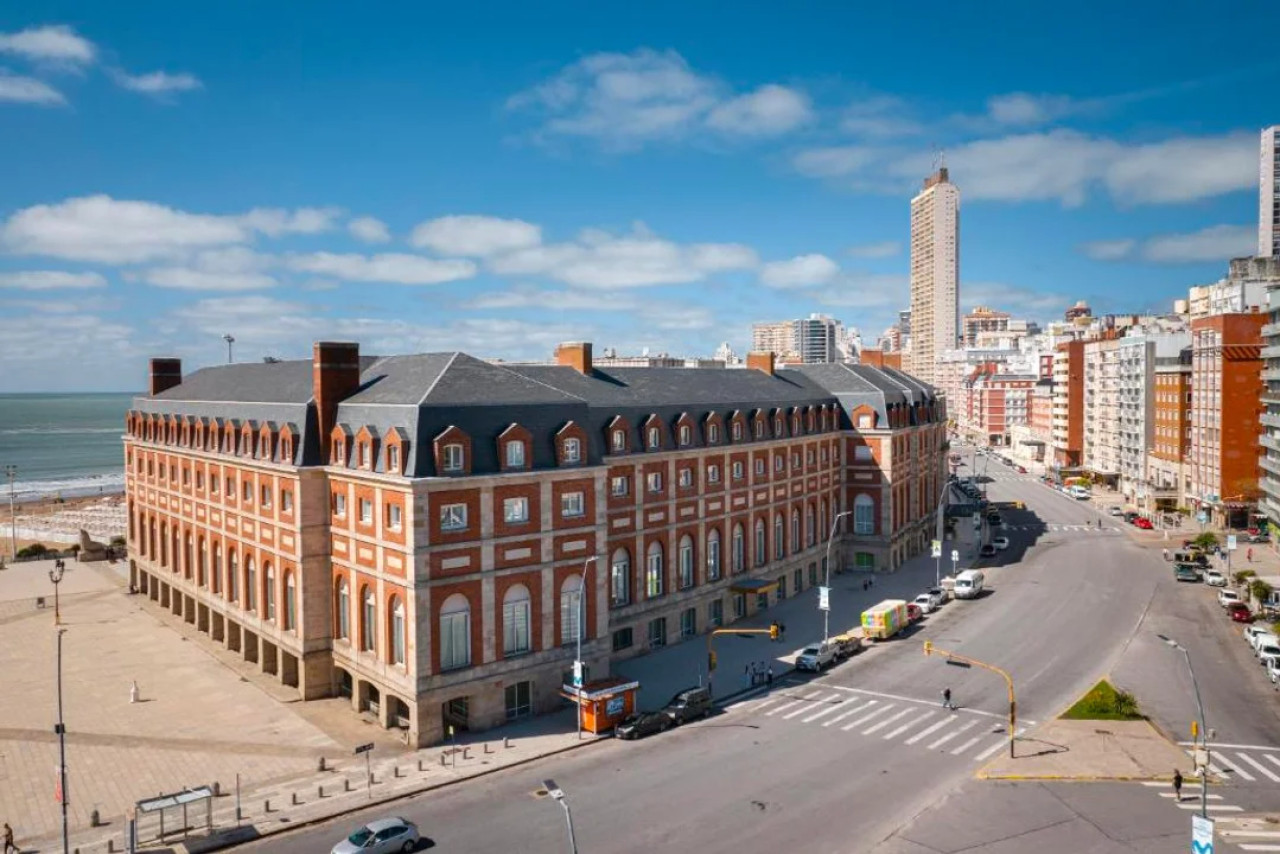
994,519
1131,516
689,704
643,723
987,551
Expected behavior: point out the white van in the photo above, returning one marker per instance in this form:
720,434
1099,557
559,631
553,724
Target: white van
969,584
1080,493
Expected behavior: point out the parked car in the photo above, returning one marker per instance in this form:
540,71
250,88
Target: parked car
816,657
1268,652
1260,537
689,704
643,723
1131,515
994,520
847,644
914,614
1185,572
1022,469
1273,671
1251,632
1226,597
1214,578
1239,613
1144,523
925,603
987,551
1263,638
1115,510
1000,543
938,595
377,837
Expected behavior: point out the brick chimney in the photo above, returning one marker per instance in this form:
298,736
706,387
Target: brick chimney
165,374
576,355
335,376
761,360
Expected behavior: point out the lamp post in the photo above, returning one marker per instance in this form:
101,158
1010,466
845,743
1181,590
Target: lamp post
578,667
826,612
230,339
558,795
942,529
11,472
55,575
61,731
1204,733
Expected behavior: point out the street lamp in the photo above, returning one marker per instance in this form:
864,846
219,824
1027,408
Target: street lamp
11,472
577,664
61,730
1204,733
55,575
558,795
826,612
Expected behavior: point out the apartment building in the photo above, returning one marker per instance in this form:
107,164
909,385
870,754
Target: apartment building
983,319
1269,194
1167,477
1102,407
1270,418
1137,358
1226,394
1068,405
428,535
935,273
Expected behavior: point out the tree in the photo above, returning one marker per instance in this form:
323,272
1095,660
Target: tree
1208,540
1242,577
1259,590
33,550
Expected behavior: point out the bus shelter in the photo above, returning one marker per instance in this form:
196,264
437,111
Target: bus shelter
178,807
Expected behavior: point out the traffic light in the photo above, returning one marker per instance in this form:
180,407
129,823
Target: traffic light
773,632
711,660
928,647
1195,730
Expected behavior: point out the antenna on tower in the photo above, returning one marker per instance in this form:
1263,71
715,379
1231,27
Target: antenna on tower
230,339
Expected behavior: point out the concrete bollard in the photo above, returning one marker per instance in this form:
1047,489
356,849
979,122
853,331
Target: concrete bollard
506,742
466,753
320,766
95,820
373,778
320,791
443,759
395,771
111,846
293,799
420,768
266,806
486,748
217,789
346,784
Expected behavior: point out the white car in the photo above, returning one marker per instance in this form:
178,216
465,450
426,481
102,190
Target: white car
1263,639
1214,578
1115,510
925,602
816,656
1267,653
1000,543
1226,597
381,837
1251,633
938,595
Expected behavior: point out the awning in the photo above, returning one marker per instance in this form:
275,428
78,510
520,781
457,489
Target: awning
175,799
753,585
1030,442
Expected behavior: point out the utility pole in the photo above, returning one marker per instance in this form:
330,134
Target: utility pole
230,339
558,795
826,590
1204,733
11,472
61,730
578,667
964,661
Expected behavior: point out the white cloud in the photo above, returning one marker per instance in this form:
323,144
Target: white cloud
799,272
369,230
397,268
1184,169
28,90
626,100
1019,301
864,291
881,249
275,222
1108,250
51,44
768,111
554,300
187,279
1023,108
834,161
157,83
1217,243
475,236
49,280
880,116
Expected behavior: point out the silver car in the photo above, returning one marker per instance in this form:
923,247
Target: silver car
380,837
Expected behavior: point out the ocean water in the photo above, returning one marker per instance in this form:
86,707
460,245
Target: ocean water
63,444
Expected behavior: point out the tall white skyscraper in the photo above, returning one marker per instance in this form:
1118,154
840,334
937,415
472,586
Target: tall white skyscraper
1269,195
935,273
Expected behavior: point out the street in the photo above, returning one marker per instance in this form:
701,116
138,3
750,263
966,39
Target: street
863,757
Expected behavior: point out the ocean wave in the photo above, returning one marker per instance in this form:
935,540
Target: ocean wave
71,487
58,431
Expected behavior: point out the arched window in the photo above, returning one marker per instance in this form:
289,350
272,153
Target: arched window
761,554
455,632
215,577
713,554
202,563
795,531
516,613
290,602
164,544
779,537
864,515
269,589
653,570
397,631
233,577
571,608
250,588
151,550
620,578
686,562
187,557
174,552
368,619
810,525
342,610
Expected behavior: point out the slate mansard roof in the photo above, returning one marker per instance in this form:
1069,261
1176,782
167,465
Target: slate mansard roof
421,396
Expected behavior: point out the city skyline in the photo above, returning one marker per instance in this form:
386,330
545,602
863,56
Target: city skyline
165,191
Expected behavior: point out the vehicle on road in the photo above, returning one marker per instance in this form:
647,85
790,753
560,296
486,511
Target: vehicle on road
969,584
1214,578
884,620
914,612
1198,558
1268,652
689,704
1226,597
924,602
1251,632
381,836
1131,516
1078,492
643,723
1000,543
1239,613
1185,572
1022,469
1115,510
816,657
1144,523
847,644
937,595
1263,638
994,519
1273,671
987,550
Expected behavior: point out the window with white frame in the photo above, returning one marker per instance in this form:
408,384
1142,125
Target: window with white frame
393,458
654,481
658,632
795,531
368,621
269,588
266,497
737,431
395,516
455,632
515,454
515,510
572,504
339,505
570,605
778,462
715,613
620,578
713,554
737,470
620,485
653,571
365,455
759,429
739,548
689,623
572,450
516,627
453,517
864,515
366,511
343,607
290,602
759,465
247,490
655,438
619,441
810,532
779,537
286,500
761,554
452,458
713,434
864,422
686,435
713,473
686,562
397,631
686,477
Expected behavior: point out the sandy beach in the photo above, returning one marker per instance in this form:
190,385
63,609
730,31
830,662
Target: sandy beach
58,523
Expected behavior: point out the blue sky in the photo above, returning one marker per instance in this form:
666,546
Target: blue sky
501,177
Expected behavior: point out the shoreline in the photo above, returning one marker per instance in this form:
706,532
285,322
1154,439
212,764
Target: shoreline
56,520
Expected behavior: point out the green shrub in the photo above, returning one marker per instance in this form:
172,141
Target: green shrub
1207,540
33,550
1103,702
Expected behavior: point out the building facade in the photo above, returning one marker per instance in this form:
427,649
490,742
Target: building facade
935,273
1167,477
429,535
1102,408
814,340
1137,359
1068,405
983,319
1269,194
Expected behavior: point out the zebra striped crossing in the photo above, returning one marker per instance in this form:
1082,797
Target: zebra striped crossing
969,733
1043,527
1249,763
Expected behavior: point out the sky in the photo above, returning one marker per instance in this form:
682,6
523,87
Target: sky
506,176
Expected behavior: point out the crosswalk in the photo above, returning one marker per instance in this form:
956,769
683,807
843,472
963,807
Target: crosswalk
1219,808
1050,527
1250,763
968,733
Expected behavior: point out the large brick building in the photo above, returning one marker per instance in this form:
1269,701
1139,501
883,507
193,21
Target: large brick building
415,532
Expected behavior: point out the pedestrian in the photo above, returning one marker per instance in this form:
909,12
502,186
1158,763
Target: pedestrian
768,676
774,629
782,629
747,680
946,699
8,840
1249,555
760,673
1177,784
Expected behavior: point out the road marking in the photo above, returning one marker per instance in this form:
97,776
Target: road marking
886,722
1243,773
886,707
1246,847
784,708
1270,758
1264,770
759,706
1256,834
970,743
1218,807
831,708
803,710
1189,797
854,710
952,735
1000,715
990,750
908,725
1213,745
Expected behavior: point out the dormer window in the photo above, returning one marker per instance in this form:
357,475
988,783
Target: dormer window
452,458
286,451
759,429
366,456
339,452
655,438
737,431
777,426
713,434
686,435
619,441
572,451
515,455
393,458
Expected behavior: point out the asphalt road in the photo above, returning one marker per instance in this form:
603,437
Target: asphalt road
842,761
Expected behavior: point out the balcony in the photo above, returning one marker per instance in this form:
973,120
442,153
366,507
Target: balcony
1271,486
1271,352
1269,442
1270,419
1269,464
1270,329
1271,374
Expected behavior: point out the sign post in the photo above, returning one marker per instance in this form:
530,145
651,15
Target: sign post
366,749
1201,835
936,554
824,598
955,561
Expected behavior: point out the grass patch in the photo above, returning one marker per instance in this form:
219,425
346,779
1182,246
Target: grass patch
1104,703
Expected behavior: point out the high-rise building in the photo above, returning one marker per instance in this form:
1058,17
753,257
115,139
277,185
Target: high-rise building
1269,194
1080,309
935,273
983,319
810,341
777,338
